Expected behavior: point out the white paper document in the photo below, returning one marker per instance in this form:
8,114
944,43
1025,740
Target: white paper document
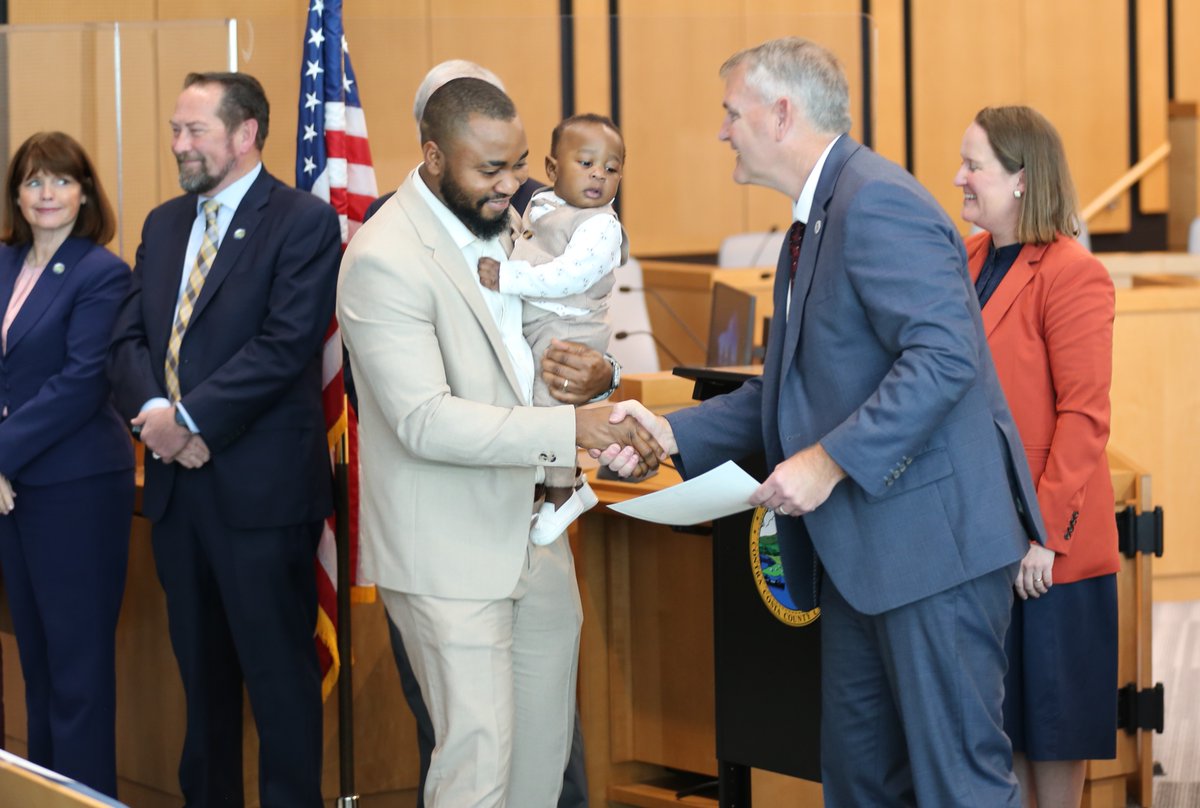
720,492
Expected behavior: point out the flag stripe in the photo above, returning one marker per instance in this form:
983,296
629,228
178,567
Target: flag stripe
336,167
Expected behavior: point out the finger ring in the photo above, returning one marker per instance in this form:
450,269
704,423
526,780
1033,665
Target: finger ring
1037,579
565,383
782,511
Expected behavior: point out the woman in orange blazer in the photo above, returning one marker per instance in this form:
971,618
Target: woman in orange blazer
1048,307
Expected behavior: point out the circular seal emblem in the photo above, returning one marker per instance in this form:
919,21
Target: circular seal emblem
767,569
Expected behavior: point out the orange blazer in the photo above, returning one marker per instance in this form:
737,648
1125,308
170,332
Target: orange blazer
1049,324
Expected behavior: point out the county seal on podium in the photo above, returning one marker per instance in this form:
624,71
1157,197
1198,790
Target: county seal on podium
767,569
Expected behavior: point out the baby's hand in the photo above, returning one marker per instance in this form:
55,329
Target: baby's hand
489,273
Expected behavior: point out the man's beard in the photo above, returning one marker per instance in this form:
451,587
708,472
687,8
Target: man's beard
470,213
201,182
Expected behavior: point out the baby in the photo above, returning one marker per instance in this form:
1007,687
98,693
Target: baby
561,266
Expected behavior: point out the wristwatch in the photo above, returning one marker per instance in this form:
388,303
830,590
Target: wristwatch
616,379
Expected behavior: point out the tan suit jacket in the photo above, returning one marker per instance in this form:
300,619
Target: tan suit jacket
447,446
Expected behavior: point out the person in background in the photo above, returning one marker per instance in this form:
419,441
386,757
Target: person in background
216,360
1048,308
895,467
562,267
66,461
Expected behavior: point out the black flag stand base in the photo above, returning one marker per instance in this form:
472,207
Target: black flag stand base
345,675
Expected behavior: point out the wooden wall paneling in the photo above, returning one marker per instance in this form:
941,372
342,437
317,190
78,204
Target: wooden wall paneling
887,17
1156,417
1088,97
677,192
673,691
1152,100
521,45
1184,168
959,64
592,62
390,46
836,25
1187,50
21,12
57,99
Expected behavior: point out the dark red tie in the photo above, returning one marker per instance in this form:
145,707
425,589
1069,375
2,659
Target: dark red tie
795,236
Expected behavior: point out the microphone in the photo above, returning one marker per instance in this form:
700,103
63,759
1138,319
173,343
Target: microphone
650,334
666,307
766,239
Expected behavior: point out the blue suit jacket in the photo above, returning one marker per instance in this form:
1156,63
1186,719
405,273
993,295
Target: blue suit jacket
882,360
60,424
250,362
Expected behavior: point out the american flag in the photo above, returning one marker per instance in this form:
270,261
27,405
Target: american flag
333,161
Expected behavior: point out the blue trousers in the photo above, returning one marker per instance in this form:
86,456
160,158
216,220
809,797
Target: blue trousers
64,549
911,699
241,607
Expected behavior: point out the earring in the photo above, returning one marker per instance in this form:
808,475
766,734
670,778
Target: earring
1017,193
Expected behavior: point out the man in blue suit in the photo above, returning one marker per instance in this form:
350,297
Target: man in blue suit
216,361
904,500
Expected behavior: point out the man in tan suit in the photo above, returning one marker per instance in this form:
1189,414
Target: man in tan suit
451,450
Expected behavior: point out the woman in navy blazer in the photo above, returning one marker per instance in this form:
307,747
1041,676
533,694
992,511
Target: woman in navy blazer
66,460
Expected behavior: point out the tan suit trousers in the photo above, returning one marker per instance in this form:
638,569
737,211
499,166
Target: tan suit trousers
498,677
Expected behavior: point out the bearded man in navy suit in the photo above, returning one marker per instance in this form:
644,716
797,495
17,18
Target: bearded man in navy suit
904,499
219,370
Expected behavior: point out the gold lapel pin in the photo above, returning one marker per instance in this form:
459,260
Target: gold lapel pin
59,268
239,233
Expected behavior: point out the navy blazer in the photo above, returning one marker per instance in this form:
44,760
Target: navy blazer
883,361
60,424
250,362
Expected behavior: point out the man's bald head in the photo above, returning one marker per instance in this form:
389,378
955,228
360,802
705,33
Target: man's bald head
446,71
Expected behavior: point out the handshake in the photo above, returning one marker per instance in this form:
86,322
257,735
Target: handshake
627,437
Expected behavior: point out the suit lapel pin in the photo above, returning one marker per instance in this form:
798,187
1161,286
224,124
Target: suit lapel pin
239,233
817,228
59,268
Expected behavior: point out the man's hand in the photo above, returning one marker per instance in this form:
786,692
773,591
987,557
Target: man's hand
801,483
1037,572
194,453
7,497
160,433
489,273
621,459
594,430
574,373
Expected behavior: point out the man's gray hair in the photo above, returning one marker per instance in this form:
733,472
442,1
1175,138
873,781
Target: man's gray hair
448,71
802,71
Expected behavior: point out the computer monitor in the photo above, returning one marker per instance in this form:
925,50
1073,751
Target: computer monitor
731,327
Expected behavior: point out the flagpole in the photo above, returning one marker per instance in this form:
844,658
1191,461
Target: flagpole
348,798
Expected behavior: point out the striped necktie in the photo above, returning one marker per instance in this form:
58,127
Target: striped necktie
195,282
